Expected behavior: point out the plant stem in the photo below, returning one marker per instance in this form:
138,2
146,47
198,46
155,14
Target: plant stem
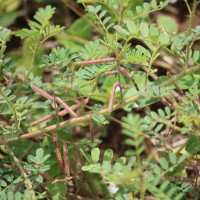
10,106
176,77
103,111
96,61
192,14
71,121
23,172
33,58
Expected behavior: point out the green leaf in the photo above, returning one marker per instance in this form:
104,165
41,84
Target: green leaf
146,6
85,30
102,14
39,153
164,185
10,195
100,118
138,9
121,30
3,183
164,163
153,30
8,18
164,39
88,167
154,4
144,29
3,195
131,27
39,179
51,31
158,128
18,196
106,20
43,15
44,168
196,56
32,159
193,145
156,169
95,154
168,23
107,158
45,158
57,191
27,33
91,9
172,158
167,110
164,3
161,112
154,115
182,158
117,167
98,8
31,168
108,155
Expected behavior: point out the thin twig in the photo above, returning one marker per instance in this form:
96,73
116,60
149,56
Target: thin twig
66,159
71,121
10,105
43,119
61,113
45,94
62,180
77,157
96,61
42,92
57,151
110,73
175,84
27,182
183,73
71,112
112,96
125,72
166,103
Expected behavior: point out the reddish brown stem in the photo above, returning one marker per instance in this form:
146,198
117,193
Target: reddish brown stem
74,107
125,72
167,103
71,121
77,157
43,119
175,84
42,92
61,113
16,189
61,102
112,96
110,73
66,159
125,86
57,151
96,61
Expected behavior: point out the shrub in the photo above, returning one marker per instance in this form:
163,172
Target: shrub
120,79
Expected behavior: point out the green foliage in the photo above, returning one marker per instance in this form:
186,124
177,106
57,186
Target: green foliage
41,26
108,59
168,24
4,37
